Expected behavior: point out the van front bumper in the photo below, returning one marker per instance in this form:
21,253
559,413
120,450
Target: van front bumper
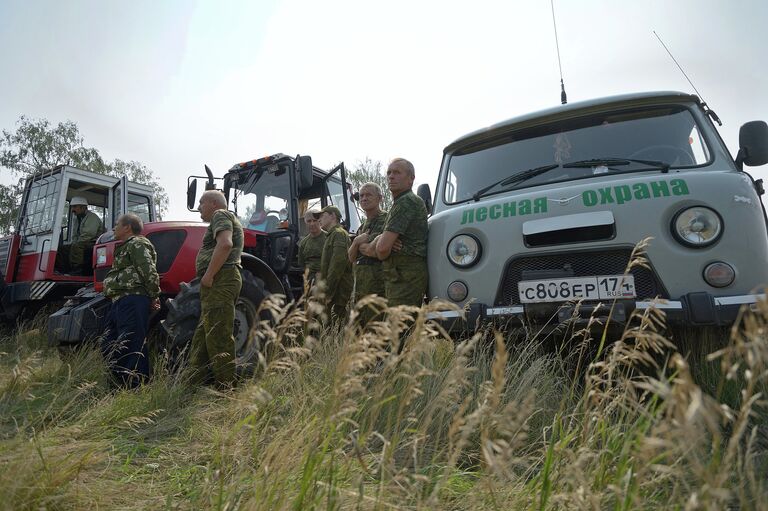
693,309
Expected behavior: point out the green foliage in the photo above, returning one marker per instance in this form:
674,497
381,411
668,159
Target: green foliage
37,145
370,171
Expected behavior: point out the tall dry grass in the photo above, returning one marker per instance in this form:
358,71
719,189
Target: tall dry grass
340,417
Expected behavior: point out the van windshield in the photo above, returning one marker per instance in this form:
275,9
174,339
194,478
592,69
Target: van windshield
614,142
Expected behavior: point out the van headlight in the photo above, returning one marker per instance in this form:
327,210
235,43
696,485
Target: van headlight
697,226
464,250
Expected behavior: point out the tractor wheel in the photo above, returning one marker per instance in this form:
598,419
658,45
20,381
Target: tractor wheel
184,314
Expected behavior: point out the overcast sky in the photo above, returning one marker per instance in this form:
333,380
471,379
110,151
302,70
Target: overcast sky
177,84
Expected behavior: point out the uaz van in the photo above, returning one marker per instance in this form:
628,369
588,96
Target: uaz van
545,210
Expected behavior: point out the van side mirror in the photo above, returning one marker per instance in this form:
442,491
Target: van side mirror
425,193
753,144
191,194
305,172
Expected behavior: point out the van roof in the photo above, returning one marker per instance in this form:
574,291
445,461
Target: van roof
572,110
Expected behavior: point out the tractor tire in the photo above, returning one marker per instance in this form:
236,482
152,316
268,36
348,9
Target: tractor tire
184,315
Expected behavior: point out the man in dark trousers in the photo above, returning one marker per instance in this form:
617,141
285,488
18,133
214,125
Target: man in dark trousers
218,267
133,286
335,268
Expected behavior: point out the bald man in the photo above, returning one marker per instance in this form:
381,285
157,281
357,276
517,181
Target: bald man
218,267
405,270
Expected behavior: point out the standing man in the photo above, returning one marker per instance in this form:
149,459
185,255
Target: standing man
405,270
133,286
86,227
335,268
369,277
311,246
218,267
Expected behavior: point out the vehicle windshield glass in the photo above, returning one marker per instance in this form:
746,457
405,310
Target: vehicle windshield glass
261,200
667,135
40,211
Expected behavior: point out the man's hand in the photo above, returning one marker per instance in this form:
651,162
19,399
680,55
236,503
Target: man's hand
361,238
398,246
207,280
155,305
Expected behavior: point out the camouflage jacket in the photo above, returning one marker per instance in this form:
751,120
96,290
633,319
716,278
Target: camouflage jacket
134,270
372,227
408,218
311,252
335,268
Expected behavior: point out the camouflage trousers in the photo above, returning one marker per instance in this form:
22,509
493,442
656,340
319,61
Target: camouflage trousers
213,346
369,280
405,280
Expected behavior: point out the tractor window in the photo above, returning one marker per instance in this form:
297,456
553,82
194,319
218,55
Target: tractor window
41,206
261,203
139,206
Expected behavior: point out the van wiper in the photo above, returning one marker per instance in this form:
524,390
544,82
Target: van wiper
516,178
615,162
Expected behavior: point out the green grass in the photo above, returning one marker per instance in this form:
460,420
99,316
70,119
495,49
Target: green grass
337,421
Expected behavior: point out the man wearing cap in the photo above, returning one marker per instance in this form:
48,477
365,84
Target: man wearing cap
369,277
133,286
218,267
86,227
405,270
311,245
335,268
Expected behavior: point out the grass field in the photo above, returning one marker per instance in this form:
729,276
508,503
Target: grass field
497,421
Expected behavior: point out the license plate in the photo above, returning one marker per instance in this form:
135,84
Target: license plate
604,287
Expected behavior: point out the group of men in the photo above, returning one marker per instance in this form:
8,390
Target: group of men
133,286
389,252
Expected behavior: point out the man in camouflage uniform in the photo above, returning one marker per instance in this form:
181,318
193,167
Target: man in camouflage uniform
369,277
405,270
133,286
218,267
311,246
86,227
335,268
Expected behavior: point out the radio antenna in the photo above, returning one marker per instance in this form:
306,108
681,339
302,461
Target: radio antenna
706,108
563,96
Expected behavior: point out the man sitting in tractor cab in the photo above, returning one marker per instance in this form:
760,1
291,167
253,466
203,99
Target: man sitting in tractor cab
86,227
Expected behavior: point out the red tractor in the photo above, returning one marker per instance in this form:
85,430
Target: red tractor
30,273
269,196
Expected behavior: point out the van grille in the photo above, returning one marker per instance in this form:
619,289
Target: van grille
5,255
578,264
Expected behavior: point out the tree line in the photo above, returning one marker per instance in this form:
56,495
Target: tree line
37,145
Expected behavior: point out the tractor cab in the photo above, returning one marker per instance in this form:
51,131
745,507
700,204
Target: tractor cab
270,196
35,259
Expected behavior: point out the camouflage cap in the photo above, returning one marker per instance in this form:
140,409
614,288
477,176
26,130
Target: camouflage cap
330,209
